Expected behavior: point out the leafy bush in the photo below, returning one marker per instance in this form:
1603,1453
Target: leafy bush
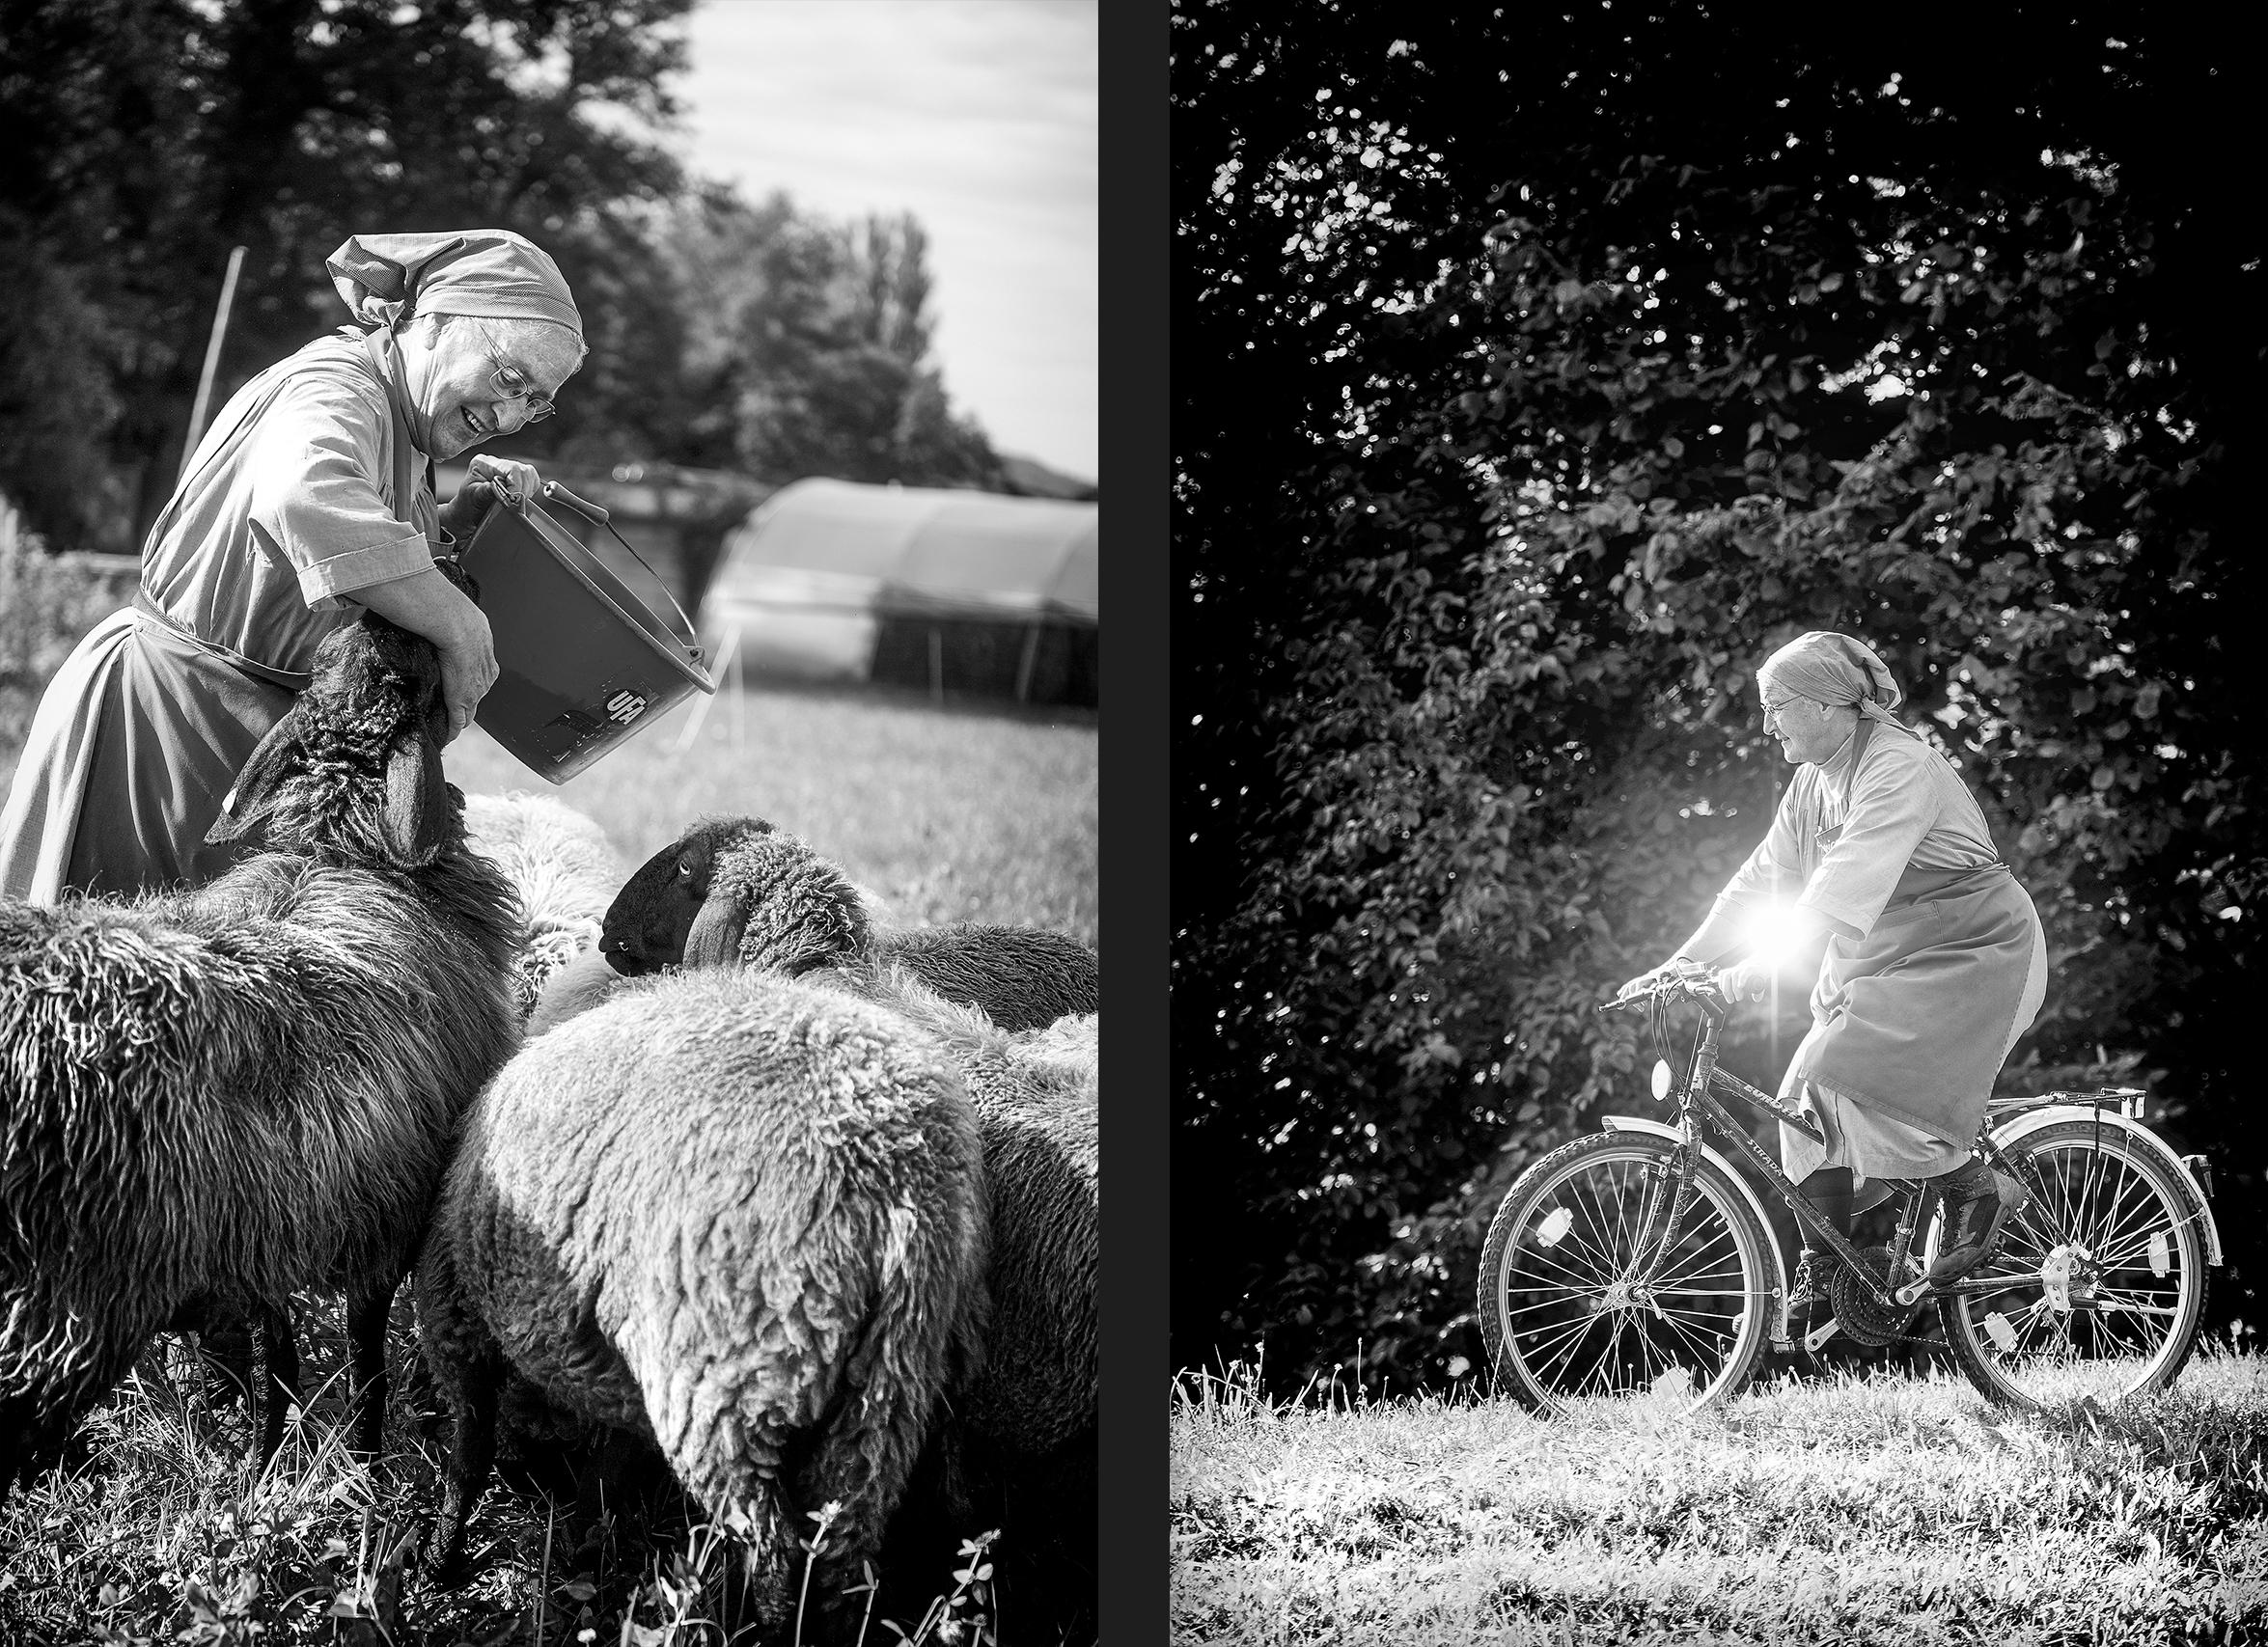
48,603
1523,422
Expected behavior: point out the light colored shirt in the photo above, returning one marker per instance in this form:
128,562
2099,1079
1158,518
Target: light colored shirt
1847,829
294,500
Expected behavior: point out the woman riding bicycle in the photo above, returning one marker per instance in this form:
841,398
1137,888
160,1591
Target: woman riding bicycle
1935,963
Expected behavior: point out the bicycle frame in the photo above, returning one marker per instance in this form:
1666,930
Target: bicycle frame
1698,1108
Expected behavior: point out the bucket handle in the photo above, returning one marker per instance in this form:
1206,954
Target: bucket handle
554,492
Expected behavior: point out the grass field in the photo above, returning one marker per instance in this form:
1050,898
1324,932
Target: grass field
157,1531
1877,1512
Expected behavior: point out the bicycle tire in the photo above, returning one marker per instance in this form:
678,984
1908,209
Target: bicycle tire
1560,1240
2124,1207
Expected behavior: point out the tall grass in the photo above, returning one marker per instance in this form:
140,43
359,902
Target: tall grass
1885,1511
157,1532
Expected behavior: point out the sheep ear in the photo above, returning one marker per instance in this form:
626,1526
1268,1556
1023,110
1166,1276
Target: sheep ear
715,937
415,817
254,796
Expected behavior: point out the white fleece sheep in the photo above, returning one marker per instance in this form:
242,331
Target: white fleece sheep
1018,1450
564,869
740,1216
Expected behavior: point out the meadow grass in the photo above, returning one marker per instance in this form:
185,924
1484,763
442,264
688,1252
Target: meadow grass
157,1531
972,812
1881,1510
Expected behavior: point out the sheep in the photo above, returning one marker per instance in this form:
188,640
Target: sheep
566,871
573,989
740,1218
1022,977
1018,1452
1023,1434
222,1096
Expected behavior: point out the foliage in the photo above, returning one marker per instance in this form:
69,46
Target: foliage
811,342
1896,1512
141,139
46,603
1553,402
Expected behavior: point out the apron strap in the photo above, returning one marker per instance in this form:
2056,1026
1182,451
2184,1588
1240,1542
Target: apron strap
290,680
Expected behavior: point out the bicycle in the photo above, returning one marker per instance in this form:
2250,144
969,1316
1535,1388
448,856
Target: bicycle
1639,1260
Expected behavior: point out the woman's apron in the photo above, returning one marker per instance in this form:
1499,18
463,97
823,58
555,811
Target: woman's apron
141,734
1911,1024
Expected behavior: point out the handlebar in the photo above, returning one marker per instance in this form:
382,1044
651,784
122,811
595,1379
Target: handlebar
1696,983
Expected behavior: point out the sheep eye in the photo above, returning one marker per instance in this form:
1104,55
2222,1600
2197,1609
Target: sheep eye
684,868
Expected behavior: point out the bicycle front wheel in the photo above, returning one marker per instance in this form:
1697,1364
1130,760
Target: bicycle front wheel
2101,1280
1574,1307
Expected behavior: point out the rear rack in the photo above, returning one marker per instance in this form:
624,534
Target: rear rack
2128,1101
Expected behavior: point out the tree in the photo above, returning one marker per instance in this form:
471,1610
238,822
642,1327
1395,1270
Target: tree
1567,369
816,334
141,139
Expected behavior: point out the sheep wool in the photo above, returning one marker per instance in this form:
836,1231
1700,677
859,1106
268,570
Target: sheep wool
225,1096
738,887
564,869
741,1216
1022,1435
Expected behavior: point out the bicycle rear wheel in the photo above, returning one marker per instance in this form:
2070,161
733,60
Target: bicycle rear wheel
1561,1311
2103,1276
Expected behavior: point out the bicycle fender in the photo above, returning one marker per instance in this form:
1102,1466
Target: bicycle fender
2032,1120
1718,1158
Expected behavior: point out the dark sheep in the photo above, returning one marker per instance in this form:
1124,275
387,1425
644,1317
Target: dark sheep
1022,977
221,1097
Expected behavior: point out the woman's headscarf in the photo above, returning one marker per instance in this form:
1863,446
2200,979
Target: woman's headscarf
1828,668
491,272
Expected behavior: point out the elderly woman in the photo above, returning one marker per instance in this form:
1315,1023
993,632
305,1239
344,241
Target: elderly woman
1934,960
312,490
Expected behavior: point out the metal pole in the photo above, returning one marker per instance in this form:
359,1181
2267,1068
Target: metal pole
220,327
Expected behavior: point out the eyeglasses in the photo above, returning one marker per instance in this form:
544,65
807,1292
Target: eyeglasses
513,385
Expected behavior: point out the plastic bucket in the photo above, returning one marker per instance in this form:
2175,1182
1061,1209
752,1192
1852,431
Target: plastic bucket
583,663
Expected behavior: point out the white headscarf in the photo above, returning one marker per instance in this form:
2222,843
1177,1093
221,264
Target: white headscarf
491,272
1828,668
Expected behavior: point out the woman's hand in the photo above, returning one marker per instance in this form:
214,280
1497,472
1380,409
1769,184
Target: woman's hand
492,480
1746,981
468,668
515,482
427,603
1647,981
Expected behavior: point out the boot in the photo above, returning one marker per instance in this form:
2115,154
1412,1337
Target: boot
1979,1203
1829,1192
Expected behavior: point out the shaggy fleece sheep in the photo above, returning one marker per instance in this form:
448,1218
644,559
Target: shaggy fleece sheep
676,907
564,869
218,1098
736,1216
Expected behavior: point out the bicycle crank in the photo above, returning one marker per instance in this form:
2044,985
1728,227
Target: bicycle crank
1858,1311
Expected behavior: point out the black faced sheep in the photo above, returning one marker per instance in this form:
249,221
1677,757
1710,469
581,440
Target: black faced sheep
220,1097
740,1216
1022,977
564,868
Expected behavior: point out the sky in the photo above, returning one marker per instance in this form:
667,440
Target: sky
977,116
